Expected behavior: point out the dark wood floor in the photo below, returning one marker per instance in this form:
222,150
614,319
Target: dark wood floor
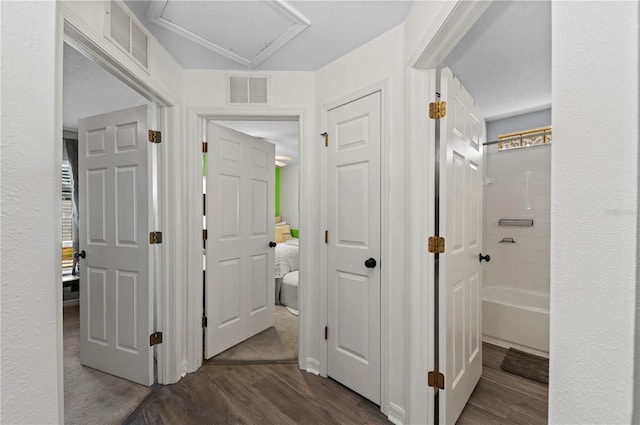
255,394
503,398
282,394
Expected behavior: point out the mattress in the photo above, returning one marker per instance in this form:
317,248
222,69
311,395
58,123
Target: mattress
287,257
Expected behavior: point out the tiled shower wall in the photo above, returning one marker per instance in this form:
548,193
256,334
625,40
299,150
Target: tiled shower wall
521,188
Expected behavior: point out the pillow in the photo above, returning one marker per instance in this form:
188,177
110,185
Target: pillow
278,235
282,233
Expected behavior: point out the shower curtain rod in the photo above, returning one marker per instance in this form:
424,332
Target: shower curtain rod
519,136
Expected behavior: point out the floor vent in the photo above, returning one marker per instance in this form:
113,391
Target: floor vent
248,90
125,32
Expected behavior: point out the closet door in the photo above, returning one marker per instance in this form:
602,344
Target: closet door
353,221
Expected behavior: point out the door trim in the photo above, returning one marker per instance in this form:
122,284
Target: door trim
383,88
166,314
195,120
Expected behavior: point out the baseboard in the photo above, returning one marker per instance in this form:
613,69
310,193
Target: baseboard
313,366
507,344
396,414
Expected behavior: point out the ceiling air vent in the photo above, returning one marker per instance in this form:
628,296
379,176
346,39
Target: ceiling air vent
127,33
248,90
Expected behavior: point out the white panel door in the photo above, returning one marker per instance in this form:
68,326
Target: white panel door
115,292
353,221
461,139
240,286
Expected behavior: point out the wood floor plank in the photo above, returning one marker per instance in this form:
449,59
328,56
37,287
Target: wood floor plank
255,394
474,415
282,394
504,398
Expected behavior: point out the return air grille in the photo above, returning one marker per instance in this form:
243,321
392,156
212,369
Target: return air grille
246,90
127,34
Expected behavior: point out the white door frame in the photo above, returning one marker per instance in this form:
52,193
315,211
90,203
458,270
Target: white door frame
448,29
383,88
196,119
74,31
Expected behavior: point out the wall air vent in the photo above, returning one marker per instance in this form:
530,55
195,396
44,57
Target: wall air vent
126,32
248,90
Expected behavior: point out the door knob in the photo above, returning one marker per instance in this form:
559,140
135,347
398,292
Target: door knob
370,263
80,254
486,258
272,244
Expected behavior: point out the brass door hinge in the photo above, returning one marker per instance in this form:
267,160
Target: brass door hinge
155,338
326,236
204,234
437,110
204,321
326,138
155,237
435,379
155,136
436,245
205,147
326,332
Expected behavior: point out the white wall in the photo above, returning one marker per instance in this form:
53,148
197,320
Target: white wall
593,211
521,189
30,248
289,186
380,59
31,294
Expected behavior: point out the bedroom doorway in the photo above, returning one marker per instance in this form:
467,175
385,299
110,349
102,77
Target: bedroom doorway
88,90
260,323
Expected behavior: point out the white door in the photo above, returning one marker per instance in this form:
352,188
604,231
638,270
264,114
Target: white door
115,292
240,286
461,138
353,221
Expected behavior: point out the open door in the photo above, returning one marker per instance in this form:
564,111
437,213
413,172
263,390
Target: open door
115,205
353,252
460,280
240,205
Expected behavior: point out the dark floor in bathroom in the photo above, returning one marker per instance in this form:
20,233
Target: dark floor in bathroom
504,398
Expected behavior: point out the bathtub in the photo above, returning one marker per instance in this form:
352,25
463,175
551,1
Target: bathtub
516,318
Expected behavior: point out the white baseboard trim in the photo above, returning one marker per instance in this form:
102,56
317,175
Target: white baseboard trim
506,344
397,415
313,366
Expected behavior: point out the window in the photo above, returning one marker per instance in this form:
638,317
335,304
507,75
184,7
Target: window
67,217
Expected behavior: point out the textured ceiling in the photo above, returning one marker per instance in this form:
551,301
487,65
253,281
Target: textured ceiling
336,28
504,61
89,89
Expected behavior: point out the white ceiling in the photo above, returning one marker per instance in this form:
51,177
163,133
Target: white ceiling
504,61
251,28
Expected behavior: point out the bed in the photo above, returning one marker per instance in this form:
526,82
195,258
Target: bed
287,261
287,257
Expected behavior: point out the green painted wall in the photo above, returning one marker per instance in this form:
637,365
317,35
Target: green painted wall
277,191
